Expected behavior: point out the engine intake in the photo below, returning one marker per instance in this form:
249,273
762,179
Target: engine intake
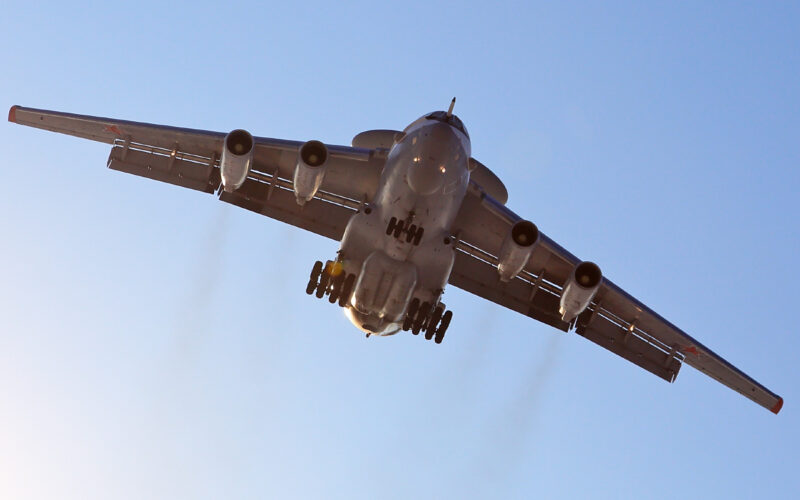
312,158
237,157
517,248
580,289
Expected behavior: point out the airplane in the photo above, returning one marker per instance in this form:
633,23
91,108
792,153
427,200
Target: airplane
414,212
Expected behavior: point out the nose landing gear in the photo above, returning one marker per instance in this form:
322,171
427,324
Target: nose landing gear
426,318
397,228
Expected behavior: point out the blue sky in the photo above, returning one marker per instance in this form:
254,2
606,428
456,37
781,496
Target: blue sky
158,344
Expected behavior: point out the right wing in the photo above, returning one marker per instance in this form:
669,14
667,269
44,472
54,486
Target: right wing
614,320
190,158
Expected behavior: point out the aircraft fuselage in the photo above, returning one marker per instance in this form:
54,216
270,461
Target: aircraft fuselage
399,246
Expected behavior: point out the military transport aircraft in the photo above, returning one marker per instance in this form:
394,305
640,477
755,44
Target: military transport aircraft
414,211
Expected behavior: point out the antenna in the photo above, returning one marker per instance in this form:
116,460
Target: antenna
452,104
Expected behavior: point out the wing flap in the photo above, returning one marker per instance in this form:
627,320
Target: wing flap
480,277
630,311
626,344
323,217
166,168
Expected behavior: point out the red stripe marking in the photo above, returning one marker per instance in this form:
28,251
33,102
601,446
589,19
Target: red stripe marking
12,114
113,129
691,350
775,409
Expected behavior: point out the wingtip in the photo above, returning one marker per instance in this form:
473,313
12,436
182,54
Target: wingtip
775,409
12,113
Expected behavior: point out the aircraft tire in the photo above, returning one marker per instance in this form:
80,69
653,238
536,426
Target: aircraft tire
390,227
412,310
398,229
421,316
312,281
336,289
433,322
322,287
448,315
347,290
418,236
412,230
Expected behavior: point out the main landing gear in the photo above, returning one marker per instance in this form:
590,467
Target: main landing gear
405,230
426,318
331,279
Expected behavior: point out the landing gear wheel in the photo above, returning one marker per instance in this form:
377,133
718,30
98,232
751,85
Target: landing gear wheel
322,287
411,232
412,310
391,226
435,317
443,326
312,281
418,236
398,229
422,315
347,290
336,287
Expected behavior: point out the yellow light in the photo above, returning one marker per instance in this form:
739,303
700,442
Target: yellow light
335,268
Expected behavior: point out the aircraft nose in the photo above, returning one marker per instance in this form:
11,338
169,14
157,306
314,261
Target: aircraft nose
425,177
426,173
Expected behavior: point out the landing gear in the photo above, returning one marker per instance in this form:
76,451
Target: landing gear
331,280
411,314
324,279
347,289
418,235
423,317
435,318
314,279
399,228
336,287
448,315
412,230
392,224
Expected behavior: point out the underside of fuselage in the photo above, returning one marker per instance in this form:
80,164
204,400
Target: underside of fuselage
397,251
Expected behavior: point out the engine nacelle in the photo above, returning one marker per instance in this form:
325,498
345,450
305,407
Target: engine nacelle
237,156
517,249
580,289
312,158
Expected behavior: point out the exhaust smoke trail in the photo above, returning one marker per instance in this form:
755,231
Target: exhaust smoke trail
195,312
507,437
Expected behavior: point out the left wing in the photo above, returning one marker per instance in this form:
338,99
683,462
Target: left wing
190,158
614,320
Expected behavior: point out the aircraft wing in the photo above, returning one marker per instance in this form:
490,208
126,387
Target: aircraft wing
614,320
190,158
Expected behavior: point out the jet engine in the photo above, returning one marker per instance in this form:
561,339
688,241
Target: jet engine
237,156
517,248
312,158
580,289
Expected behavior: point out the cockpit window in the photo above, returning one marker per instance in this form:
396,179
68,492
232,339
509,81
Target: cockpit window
453,120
